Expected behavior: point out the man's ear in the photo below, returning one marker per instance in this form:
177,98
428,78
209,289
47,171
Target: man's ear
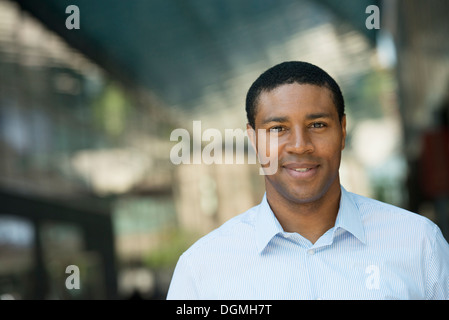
343,131
252,136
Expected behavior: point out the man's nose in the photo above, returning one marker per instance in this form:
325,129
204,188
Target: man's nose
299,141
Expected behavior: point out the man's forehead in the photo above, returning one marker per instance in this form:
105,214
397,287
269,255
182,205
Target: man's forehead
309,100
295,90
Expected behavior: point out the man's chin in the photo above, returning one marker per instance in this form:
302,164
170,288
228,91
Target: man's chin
305,198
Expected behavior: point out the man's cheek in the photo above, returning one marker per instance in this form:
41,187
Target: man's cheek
268,148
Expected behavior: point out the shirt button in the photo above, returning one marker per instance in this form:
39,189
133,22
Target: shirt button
310,252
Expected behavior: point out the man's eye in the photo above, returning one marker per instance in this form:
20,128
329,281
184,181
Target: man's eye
276,129
317,125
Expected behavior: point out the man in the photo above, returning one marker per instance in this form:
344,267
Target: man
309,238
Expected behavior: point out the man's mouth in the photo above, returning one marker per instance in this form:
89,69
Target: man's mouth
302,169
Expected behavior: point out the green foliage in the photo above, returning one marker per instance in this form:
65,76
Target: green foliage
173,245
111,109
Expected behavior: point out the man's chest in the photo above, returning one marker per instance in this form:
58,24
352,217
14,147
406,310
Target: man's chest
320,273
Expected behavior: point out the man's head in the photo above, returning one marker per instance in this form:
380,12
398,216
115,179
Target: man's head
292,72
302,107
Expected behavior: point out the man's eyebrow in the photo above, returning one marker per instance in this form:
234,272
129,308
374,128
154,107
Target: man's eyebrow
275,119
313,116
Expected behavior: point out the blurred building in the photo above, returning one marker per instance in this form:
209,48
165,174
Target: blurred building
64,159
86,117
420,30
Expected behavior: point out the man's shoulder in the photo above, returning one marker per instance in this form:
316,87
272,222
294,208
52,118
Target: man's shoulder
369,207
229,233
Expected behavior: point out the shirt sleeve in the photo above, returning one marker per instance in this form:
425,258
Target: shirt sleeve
438,268
182,285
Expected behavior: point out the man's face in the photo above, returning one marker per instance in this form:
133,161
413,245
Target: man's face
310,139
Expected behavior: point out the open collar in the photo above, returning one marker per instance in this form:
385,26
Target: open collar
349,218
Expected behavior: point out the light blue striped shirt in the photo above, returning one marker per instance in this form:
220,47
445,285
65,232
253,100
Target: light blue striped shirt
374,251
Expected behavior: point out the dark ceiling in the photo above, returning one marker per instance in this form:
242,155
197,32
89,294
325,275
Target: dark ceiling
176,48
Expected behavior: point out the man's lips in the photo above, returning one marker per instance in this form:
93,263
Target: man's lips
300,165
301,170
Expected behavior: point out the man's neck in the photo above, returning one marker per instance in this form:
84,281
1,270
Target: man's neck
310,220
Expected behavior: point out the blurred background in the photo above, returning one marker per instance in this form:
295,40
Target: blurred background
86,116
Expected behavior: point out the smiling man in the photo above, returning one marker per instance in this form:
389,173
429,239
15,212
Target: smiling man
309,238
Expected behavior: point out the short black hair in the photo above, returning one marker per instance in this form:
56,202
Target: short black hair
292,72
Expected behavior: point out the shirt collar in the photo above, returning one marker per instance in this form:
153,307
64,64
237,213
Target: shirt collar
349,217
267,226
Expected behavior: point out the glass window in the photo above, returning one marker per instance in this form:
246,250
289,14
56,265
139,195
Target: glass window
16,255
